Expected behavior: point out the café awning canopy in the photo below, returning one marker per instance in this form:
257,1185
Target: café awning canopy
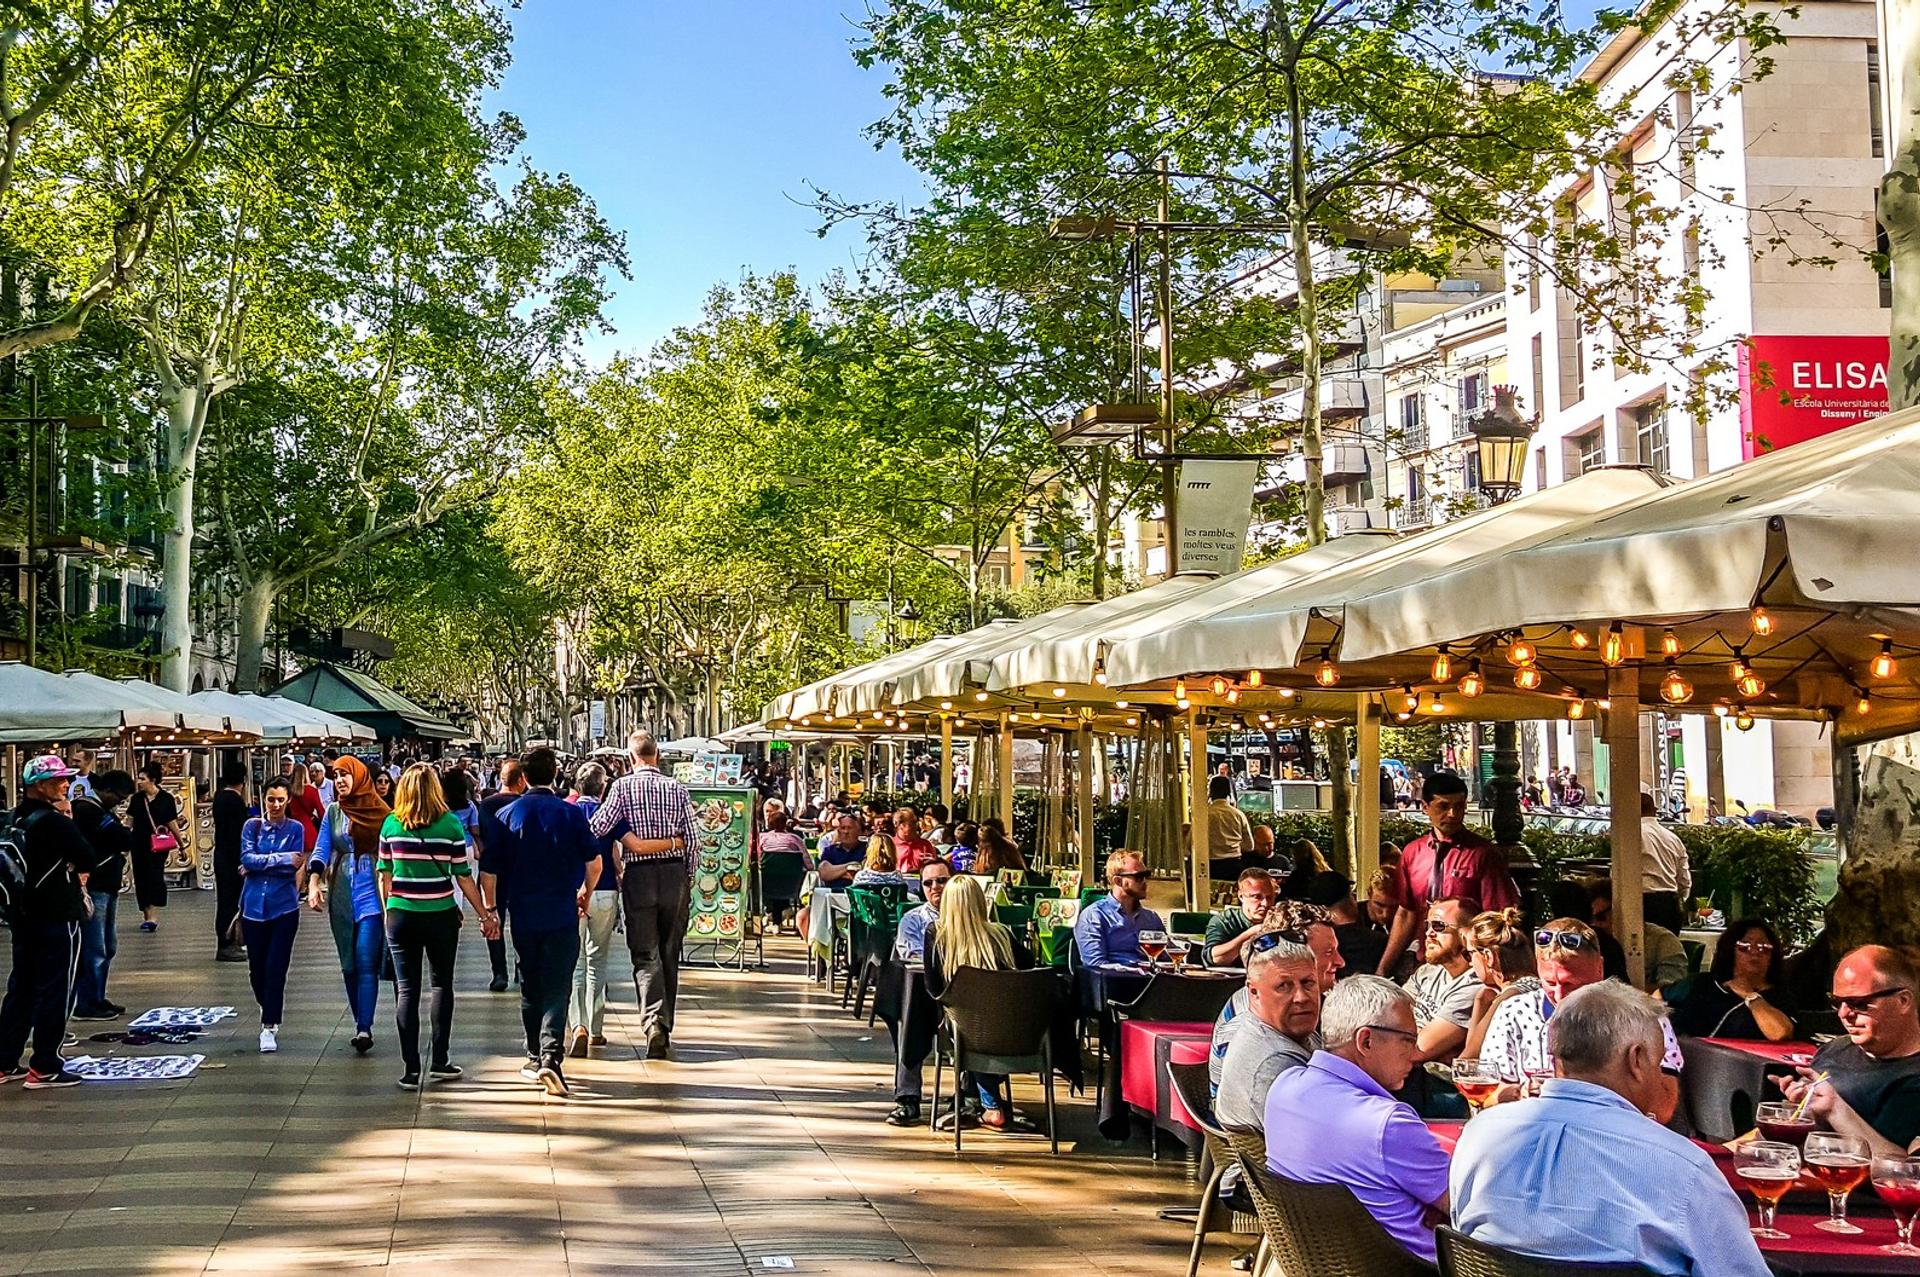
366,700
196,724
38,707
283,721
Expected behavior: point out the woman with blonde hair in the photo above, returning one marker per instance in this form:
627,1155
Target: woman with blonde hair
423,860
1501,952
881,869
965,935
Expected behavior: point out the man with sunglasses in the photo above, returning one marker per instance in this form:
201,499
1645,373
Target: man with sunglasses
911,943
1867,1084
1450,861
1567,959
1444,987
1107,932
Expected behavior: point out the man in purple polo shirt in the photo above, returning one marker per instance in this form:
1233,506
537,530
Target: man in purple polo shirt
1334,1119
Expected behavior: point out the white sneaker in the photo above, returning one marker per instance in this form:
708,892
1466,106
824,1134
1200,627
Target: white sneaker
269,1038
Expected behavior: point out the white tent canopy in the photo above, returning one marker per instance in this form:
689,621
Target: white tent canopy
37,707
335,726
1268,629
281,720
189,715
834,694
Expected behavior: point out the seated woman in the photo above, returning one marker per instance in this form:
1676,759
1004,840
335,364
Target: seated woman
966,843
880,870
1728,1000
966,936
997,851
1501,951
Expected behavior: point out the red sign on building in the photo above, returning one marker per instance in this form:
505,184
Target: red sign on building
1797,388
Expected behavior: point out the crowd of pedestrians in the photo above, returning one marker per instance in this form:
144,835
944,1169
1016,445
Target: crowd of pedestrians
396,859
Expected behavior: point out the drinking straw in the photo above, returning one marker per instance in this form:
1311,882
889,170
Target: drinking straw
1808,1094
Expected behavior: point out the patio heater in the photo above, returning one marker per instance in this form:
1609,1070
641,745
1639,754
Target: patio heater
1501,436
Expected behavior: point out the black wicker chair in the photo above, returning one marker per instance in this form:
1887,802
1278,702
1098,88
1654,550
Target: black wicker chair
1190,1084
1318,1230
999,1022
1461,1256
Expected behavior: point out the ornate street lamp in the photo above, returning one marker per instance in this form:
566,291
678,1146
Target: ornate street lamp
1502,435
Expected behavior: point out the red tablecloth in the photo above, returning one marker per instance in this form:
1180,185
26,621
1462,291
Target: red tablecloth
1771,1052
1145,1048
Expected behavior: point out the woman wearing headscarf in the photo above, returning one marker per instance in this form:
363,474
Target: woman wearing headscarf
343,856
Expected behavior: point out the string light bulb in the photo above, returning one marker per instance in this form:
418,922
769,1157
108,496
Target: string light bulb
1059,691
1527,678
1120,704
1580,639
1327,674
1669,643
1100,678
1435,706
1217,685
1762,622
979,696
1522,651
1750,685
1576,708
1744,722
1674,687
1472,684
1737,668
1181,702
946,704
1721,709
1442,665
1613,648
1255,678
1863,706
1180,689
1409,697
1320,723
1402,716
1233,696
1884,666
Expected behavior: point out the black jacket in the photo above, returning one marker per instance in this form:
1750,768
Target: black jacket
57,854
110,841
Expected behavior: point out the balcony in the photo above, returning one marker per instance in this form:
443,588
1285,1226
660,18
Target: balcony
1340,462
1341,399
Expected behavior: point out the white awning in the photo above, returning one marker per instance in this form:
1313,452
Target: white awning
37,707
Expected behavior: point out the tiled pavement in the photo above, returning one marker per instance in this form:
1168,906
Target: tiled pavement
763,1140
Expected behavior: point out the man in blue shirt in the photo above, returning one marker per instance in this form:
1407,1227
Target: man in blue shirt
544,853
1583,1175
1107,933
917,923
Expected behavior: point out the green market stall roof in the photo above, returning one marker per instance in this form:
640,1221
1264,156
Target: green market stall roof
365,699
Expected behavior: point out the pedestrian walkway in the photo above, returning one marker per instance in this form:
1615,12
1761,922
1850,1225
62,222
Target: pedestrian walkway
762,1145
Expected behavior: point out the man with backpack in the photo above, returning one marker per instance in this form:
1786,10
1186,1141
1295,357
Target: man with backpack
48,860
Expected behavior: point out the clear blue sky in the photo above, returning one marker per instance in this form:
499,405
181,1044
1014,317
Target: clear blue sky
697,128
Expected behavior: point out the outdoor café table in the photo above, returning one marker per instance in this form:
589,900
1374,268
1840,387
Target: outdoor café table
1146,1048
824,906
1720,1070
1101,990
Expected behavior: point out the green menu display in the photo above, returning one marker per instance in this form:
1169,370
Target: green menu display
722,877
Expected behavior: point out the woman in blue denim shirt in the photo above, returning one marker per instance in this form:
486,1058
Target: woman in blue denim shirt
344,885
273,850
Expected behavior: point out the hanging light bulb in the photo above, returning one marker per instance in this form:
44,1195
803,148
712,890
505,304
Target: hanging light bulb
1100,678
1613,648
1674,688
1402,716
806,722
1442,666
1738,668
946,704
1522,652
1255,678
1721,709
1059,691
1409,697
1288,693
1120,704
1327,674
1750,685
1526,678
1669,643
1864,705
1217,685
979,696
1762,622
960,721
1182,702
1013,718
1884,665
1744,722
1179,689
1471,685
1576,709
1435,706
1580,639
1233,696
1133,722
1320,722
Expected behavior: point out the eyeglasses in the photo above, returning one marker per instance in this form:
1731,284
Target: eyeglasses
1863,1003
1753,946
1571,941
1435,926
1408,1034
939,881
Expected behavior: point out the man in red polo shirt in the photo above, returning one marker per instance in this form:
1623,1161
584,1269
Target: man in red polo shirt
1450,862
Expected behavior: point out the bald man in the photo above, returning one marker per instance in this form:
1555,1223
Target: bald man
1872,1086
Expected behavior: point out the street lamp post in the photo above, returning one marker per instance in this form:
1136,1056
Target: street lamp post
1501,436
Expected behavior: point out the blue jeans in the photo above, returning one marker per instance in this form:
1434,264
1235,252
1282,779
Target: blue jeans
98,943
363,982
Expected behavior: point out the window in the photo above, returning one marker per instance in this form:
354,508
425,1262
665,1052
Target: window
1591,448
1684,135
1539,399
1473,400
79,590
1876,102
1413,418
1470,472
1416,485
1650,442
1533,273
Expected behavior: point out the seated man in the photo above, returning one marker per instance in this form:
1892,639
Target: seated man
910,944
1581,1175
1276,1033
1566,958
1287,920
1334,1120
1229,931
1666,957
842,853
1107,932
1873,1073
1444,986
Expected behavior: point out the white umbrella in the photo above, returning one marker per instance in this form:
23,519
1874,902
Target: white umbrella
833,694
692,745
39,707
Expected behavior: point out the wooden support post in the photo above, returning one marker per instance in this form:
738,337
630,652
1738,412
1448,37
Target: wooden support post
1199,871
1083,802
946,761
1006,776
1366,794
1623,797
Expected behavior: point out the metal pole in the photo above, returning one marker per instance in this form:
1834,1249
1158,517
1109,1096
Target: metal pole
1083,800
1170,472
1623,797
1200,869
946,761
33,520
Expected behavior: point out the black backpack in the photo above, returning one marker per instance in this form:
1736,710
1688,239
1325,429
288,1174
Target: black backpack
15,882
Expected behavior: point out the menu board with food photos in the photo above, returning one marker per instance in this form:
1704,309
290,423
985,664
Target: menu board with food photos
722,907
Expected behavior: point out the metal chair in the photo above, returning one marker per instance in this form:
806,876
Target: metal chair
1318,1230
1191,1085
1461,1256
874,922
999,1022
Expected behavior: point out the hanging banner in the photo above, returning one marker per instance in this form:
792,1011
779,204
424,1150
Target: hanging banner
597,720
1797,388
1216,504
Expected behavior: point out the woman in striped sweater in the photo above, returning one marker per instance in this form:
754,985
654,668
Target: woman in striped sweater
423,860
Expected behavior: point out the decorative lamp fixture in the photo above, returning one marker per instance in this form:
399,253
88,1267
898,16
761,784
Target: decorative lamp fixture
1320,722
1576,709
1327,674
1750,685
1133,722
1744,722
1669,643
1435,706
1255,678
1059,691
1613,648
1674,688
1442,666
1402,716
1579,639
1737,668
1884,666
806,722
1721,709
1120,704
1233,696
1182,702
1527,678
979,696
1500,436
1179,689
1762,622
1864,705
1522,652
1013,717
1217,685
946,704
1100,678
1472,684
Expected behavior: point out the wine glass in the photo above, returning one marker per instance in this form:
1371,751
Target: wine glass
1840,1163
1476,1080
1153,944
1768,1169
1784,1123
1897,1180
1177,951
1536,1079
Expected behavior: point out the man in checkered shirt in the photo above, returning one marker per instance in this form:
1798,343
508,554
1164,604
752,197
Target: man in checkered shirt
653,816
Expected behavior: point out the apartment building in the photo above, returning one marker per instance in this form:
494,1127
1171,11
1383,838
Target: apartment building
1768,180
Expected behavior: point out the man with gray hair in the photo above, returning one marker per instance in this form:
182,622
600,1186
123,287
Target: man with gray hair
1584,1174
1334,1120
1276,1034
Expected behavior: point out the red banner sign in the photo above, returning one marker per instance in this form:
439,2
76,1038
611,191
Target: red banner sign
1797,388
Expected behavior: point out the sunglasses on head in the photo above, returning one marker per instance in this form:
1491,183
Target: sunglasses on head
1571,941
1272,939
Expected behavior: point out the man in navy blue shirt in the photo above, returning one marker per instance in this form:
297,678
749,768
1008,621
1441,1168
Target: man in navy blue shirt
543,854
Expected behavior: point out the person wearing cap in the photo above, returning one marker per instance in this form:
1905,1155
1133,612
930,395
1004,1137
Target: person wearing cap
46,928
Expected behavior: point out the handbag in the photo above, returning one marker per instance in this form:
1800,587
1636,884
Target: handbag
163,840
